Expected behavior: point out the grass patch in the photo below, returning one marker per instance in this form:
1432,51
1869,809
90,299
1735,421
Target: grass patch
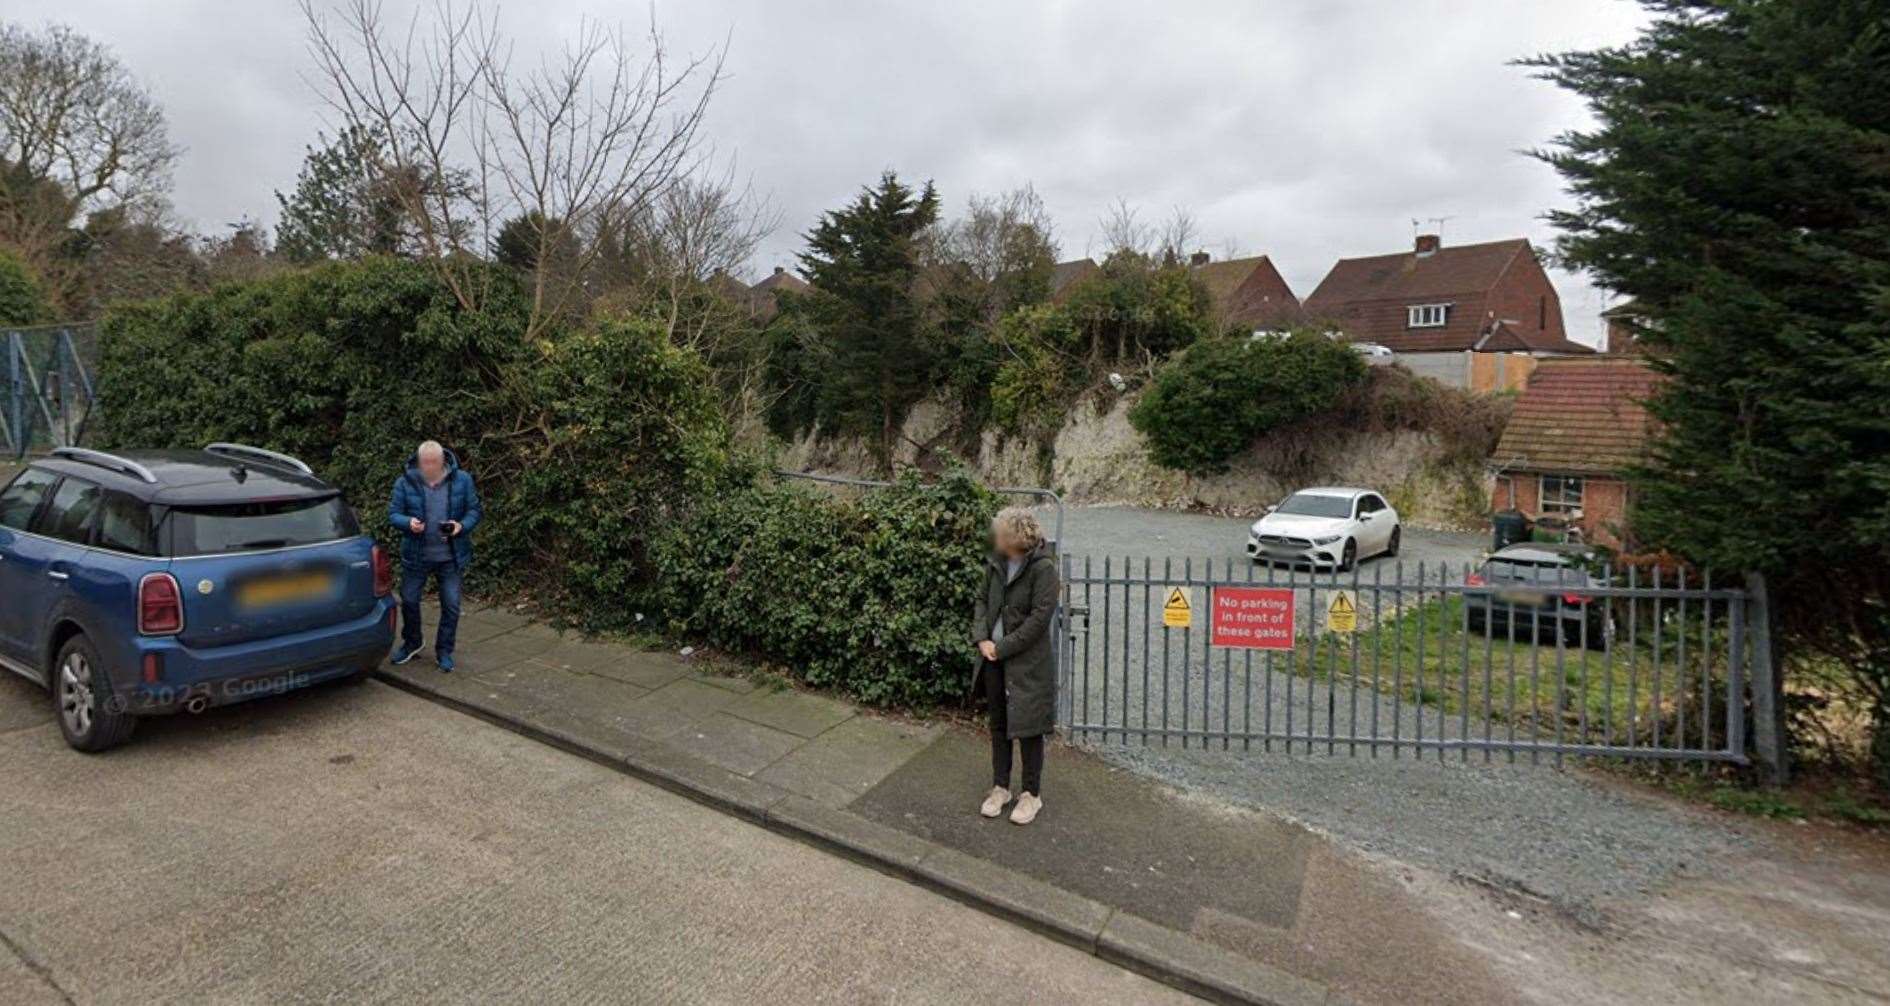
1629,693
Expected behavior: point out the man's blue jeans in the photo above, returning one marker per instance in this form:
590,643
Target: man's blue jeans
413,583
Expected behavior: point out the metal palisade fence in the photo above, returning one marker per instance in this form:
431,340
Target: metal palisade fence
1418,660
49,373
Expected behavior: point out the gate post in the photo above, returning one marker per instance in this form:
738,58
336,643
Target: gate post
1767,684
16,398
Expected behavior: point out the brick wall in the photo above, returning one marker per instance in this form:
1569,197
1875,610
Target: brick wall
1604,503
1526,296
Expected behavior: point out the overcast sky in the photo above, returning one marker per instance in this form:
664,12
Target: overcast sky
1307,130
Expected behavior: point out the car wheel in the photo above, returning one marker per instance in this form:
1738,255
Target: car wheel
89,716
1349,557
1474,621
1391,550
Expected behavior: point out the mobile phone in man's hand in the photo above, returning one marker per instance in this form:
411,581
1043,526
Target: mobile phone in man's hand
451,527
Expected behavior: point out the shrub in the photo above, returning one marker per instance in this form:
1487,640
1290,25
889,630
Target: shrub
869,596
1036,382
21,300
581,442
1206,406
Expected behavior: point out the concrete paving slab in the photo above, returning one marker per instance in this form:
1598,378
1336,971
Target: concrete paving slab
498,616
541,631
798,713
576,654
734,744
733,683
842,764
646,670
487,655
554,688
1104,833
474,632
681,703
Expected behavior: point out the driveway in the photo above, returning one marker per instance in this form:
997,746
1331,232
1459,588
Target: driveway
360,844
1136,533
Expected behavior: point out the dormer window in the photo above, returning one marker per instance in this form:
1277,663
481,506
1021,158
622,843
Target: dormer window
1425,315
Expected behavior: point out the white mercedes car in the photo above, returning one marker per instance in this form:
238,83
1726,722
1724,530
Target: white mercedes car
1326,526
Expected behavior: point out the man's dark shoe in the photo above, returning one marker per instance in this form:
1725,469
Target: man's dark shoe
446,663
402,654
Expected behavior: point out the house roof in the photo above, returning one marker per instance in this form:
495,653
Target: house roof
1505,336
1223,279
1067,274
1580,415
1368,295
1248,291
781,279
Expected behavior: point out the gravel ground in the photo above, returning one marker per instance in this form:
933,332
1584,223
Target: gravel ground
1552,834
1533,829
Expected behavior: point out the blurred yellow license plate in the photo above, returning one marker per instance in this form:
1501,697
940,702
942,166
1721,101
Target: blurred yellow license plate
284,589
1525,598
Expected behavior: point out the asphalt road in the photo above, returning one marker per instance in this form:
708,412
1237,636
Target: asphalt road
357,843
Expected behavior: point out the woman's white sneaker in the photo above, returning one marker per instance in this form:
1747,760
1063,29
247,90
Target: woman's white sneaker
1026,810
995,801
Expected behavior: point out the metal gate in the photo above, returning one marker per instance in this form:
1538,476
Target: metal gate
1390,660
48,373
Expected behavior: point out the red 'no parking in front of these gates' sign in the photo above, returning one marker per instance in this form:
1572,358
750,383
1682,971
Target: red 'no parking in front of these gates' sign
1253,618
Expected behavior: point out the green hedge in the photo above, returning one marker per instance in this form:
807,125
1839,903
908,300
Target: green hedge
1210,403
869,596
581,442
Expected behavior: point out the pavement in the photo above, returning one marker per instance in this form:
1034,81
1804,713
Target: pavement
361,844
1208,888
1220,901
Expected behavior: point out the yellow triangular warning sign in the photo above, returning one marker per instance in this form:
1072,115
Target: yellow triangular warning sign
1341,612
1177,613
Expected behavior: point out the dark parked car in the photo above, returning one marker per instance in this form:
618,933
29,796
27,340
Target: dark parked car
1534,591
155,581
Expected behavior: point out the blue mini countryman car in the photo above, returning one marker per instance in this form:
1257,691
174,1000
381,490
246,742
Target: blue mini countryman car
149,582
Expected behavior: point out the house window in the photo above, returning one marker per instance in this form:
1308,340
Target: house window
1425,315
1561,493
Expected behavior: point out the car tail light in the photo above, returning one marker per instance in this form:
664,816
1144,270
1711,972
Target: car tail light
160,605
153,668
1474,579
1576,598
383,573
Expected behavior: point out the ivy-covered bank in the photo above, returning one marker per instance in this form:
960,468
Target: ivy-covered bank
603,457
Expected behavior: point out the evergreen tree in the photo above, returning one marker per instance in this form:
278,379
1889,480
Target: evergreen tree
862,262
1737,185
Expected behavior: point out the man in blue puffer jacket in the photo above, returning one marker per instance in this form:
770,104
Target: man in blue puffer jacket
435,508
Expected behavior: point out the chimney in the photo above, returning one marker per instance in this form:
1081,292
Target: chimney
1198,258
778,270
1427,244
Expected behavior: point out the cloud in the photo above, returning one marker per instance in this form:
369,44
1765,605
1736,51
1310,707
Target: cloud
1307,131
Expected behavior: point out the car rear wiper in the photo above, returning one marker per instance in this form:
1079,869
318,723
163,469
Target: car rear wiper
264,543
